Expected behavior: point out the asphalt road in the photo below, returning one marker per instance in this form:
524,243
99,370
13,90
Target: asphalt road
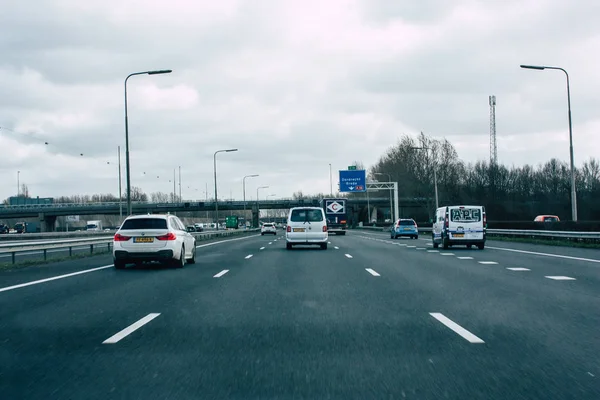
369,318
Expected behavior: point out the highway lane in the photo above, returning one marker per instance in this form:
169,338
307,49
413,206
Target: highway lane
352,322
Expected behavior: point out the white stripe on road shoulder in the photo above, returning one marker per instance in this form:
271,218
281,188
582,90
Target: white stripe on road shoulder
456,328
519,269
488,262
465,258
130,329
220,274
561,278
369,270
348,255
249,256
545,254
5,289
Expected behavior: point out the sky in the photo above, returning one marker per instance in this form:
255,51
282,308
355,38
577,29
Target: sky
294,85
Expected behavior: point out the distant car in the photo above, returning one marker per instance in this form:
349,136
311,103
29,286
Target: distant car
191,228
4,229
546,218
268,227
306,226
155,237
404,227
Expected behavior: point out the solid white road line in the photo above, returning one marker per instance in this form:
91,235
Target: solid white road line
248,256
446,254
488,262
561,278
369,270
335,247
130,329
545,254
5,289
348,255
465,258
225,241
220,274
433,251
262,248
519,269
456,328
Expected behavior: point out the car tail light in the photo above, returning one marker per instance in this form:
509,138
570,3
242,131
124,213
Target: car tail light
416,225
484,221
288,229
446,222
343,221
324,228
168,236
121,238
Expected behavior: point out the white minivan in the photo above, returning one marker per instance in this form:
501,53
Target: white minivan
306,226
462,225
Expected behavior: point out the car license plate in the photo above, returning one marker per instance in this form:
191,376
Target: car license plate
143,240
458,235
298,229
407,229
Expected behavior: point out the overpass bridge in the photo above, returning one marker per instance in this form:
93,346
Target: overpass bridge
47,213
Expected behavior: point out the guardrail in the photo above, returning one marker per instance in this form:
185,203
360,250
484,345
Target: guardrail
95,243
570,235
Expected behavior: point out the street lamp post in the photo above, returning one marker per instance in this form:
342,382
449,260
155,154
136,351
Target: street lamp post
244,190
392,216
573,191
257,206
215,171
127,166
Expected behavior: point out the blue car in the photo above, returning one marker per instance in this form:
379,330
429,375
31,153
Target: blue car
404,227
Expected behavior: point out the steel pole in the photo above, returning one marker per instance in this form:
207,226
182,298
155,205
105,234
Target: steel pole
573,189
216,202
180,183
120,194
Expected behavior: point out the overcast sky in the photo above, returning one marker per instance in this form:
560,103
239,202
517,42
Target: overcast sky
294,85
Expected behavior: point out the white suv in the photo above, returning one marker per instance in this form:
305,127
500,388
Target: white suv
153,238
268,227
306,226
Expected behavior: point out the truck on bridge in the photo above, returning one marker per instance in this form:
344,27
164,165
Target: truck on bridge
336,215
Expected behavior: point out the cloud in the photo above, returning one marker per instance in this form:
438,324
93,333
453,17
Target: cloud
294,85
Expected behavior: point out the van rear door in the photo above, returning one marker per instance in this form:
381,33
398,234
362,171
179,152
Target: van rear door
466,223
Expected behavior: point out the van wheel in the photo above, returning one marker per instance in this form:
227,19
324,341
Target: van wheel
435,245
323,246
481,246
288,246
469,246
445,243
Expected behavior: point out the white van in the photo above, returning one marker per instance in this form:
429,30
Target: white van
306,226
464,225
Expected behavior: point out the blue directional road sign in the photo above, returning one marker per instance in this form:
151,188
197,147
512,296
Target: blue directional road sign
353,181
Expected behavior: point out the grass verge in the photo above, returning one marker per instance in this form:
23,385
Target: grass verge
549,242
29,263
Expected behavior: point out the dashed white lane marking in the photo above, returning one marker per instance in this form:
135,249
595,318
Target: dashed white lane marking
420,248
446,254
5,289
329,242
433,251
275,240
401,244
561,278
369,270
337,248
248,256
348,255
465,258
428,244
411,247
456,328
487,262
130,329
262,248
519,269
270,242
220,274
546,254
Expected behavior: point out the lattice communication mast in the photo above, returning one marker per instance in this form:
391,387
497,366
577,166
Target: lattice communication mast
493,146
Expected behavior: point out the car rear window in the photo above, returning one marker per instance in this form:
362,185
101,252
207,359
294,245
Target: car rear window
407,222
268,225
145,223
465,214
307,215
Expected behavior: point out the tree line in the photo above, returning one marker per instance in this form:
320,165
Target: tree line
508,193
